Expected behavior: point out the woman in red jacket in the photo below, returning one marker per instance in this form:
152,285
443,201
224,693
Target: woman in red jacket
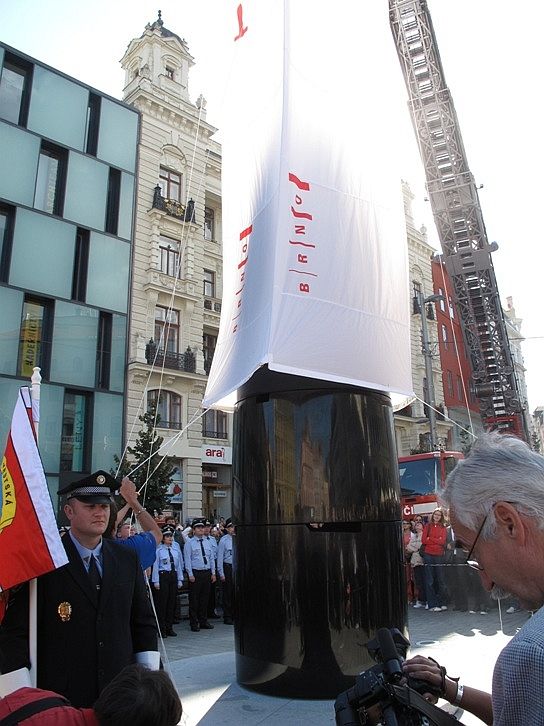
434,541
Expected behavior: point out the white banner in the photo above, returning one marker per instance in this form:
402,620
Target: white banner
316,280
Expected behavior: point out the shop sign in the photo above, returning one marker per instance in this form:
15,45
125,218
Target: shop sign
216,454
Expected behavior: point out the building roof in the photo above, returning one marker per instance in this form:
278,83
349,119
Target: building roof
159,25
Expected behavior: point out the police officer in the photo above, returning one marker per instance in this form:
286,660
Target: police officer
224,569
93,614
167,579
200,565
213,543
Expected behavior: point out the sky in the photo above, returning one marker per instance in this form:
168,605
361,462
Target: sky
491,57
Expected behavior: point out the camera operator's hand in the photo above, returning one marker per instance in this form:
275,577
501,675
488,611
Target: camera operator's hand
426,669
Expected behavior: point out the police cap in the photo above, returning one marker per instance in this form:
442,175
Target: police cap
199,522
97,488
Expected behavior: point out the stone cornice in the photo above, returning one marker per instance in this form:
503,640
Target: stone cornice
155,103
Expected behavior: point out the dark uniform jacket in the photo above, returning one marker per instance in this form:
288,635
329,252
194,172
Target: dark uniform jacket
80,655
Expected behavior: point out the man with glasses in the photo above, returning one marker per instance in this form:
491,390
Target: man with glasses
496,503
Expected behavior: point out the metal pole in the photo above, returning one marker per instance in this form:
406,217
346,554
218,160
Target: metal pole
428,372
33,584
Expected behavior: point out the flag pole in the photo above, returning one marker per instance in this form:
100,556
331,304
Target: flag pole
35,391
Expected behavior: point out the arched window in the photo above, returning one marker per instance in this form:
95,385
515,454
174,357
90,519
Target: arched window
168,408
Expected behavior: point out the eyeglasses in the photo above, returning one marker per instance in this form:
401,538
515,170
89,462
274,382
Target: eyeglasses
474,563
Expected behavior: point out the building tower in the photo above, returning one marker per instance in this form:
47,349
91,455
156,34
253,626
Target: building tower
412,426
177,277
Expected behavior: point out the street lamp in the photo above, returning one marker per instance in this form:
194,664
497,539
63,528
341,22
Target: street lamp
419,308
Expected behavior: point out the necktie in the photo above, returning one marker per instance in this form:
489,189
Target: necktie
172,565
203,553
94,574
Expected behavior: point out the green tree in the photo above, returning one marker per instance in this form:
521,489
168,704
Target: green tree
157,471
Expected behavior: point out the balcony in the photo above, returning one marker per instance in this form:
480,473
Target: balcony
172,207
214,434
214,305
174,361
176,425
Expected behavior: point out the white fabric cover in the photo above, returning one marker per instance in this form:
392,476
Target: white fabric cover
315,254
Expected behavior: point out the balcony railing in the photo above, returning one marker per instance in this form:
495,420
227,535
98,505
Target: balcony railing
162,424
214,434
173,207
214,305
174,361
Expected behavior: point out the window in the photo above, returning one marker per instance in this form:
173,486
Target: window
103,351
112,203
14,90
170,184
51,179
214,424
442,301
209,342
168,408
35,337
92,124
169,72
452,309
74,448
167,329
459,388
209,283
81,262
416,286
445,336
209,223
450,384
169,256
7,215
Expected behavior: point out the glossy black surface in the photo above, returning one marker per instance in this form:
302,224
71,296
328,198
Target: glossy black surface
318,547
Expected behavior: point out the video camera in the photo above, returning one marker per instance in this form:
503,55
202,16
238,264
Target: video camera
383,695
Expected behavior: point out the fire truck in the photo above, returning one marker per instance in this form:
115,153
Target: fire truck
421,476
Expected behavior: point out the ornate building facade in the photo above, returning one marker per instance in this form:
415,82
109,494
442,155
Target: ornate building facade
177,273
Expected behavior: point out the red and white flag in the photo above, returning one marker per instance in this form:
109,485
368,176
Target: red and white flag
315,253
30,544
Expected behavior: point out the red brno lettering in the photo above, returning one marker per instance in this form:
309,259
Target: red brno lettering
242,30
301,260
244,253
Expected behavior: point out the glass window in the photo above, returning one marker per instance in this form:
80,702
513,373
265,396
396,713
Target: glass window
107,430
214,424
209,342
74,449
170,184
81,262
35,337
19,153
450,383
118,135
14,84
442,301
42,256
75,333
11,305
452,309
51,179
418,476
103,351
51,407
86,189
7,215
112,201
168,408
459,388
445,336
118,348
169,72
209,283
108,271
167,329
126,200
58,108
92,124
169,256
209,223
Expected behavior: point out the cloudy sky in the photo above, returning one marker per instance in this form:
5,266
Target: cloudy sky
491,56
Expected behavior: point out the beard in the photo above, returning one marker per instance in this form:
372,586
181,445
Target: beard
498,593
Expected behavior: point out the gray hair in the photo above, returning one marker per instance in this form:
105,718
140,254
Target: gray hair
498,468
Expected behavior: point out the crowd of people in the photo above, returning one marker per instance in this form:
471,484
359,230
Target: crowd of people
437,576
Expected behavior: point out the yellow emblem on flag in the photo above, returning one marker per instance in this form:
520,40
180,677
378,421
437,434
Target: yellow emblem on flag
8,501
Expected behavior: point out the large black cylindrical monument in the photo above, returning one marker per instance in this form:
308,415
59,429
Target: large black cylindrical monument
316,500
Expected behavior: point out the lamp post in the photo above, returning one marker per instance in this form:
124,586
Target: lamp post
419,307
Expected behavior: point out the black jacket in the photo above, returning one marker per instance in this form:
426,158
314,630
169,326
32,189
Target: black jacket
81,655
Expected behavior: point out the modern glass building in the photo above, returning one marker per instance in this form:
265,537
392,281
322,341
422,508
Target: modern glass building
67,188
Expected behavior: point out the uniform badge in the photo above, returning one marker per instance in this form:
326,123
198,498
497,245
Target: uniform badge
101,479
64,610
